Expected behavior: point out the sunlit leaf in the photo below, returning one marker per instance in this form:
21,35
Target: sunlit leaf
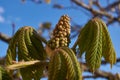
94,52
64,65
94,40
22,64
26,45
108,49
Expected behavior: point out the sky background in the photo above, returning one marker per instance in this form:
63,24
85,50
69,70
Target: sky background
32,14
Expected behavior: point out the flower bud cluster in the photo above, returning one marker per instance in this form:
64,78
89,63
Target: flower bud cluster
61,33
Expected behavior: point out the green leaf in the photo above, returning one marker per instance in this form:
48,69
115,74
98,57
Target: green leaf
78,72
94,40
23,53
32,72
51,67
61,63
84,37
11,51
94,53
108,49
34,45
71,74
37,43
27,45
57,67
4,74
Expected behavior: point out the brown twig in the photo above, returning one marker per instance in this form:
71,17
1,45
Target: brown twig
4,38
98,73
95,12
104,62
112,5
98,12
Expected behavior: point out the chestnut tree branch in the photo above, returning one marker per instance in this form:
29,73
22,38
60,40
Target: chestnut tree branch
99,73
99,12
112,5
4,37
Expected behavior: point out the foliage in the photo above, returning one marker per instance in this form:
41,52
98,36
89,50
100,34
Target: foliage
94,40
26,45
4,75
64,63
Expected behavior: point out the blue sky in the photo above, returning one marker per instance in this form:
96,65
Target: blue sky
31,14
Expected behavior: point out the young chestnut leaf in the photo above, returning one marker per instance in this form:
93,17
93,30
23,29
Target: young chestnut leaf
94,40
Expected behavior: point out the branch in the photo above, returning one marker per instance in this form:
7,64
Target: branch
23,64
2,61
89,76
4,38
99,73
112,5
104,62
97,12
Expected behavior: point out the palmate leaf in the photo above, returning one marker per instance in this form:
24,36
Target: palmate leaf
26,47
19,45
94,40
64,65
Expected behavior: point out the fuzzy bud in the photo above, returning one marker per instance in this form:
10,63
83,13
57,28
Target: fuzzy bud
61,33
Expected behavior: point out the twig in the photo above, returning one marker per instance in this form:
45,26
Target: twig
104,62
98,73
89,76
112,5
97,12
25,64
4,38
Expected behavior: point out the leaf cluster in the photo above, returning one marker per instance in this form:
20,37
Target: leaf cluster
27,50
94,40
